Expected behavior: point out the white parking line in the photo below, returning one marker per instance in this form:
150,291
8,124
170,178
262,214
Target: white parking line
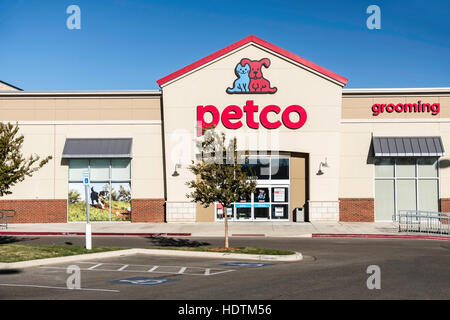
123,267
97,265
49,287
153,269
136,268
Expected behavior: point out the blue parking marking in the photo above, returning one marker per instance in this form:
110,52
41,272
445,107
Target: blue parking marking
144,281
246,264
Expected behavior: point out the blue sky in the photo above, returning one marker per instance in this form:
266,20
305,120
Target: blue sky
125,44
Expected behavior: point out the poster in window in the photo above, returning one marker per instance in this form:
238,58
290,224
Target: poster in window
279,211
99,202
262,195
76,202
220,211
279,195
120,201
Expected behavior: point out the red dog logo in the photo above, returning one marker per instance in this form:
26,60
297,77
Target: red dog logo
250,78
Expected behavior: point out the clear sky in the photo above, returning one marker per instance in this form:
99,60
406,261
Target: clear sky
129,44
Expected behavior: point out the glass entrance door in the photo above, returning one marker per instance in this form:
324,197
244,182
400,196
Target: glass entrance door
267,203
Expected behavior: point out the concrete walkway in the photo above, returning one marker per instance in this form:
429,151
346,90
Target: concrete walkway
268,229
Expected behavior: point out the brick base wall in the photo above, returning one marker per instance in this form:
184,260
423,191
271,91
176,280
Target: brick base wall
147,210
445,209
356,210
37,210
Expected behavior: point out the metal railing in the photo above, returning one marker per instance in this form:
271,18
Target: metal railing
4,215
424,222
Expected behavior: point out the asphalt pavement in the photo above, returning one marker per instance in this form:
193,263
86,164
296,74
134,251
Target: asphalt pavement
332,269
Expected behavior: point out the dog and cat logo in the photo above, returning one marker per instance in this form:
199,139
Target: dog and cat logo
250,78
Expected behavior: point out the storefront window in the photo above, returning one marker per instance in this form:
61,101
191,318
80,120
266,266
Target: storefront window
405,184
384,167
262,210
406,168
279,168
109,190
427,167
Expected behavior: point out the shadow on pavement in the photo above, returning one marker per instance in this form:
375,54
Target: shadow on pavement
172,242
9,239
9,271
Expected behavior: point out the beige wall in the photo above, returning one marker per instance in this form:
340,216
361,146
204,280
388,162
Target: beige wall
358,127
361,107
65,108
46,132
205,214
51,182
298,182
319,137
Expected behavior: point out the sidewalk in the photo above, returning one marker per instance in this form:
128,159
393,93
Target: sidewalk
215,229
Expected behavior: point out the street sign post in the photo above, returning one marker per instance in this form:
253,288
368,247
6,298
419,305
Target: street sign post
88,223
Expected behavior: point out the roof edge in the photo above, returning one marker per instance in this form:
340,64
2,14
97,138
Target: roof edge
369,91
83,93
10,85
262,43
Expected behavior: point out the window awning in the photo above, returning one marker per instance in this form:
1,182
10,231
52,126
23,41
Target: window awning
97,148
408,146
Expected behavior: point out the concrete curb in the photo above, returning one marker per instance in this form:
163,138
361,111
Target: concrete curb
174,253
380,236
68,233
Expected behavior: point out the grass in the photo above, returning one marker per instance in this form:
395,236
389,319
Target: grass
20,252
245,250
77,211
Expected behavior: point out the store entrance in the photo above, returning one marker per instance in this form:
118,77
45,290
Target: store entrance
271,199
269,202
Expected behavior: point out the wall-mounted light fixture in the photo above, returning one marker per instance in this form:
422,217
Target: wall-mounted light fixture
175,173
322,164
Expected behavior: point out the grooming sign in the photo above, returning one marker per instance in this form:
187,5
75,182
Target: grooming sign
250,80
419,107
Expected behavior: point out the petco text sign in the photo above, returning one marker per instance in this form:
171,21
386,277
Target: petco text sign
232,115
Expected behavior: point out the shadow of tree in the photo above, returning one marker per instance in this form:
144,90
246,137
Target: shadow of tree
9,271
172,242
9,239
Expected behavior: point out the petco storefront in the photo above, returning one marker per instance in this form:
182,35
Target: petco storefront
334,154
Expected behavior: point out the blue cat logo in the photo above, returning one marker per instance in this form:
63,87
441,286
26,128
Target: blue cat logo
242,83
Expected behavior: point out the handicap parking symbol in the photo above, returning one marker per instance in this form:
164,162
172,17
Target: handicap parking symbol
246,264
143,281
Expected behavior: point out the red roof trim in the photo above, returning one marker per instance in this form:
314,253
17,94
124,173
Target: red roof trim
262,43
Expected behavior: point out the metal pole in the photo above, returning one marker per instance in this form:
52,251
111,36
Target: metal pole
88,223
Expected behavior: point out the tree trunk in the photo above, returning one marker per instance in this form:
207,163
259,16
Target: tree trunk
226,226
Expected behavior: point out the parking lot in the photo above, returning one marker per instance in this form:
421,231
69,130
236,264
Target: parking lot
332,269
137,276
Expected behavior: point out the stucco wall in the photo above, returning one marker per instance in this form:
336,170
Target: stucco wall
46,122
319,137
358,126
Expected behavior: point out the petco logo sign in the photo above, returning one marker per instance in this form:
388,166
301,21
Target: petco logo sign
250,78
232,115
